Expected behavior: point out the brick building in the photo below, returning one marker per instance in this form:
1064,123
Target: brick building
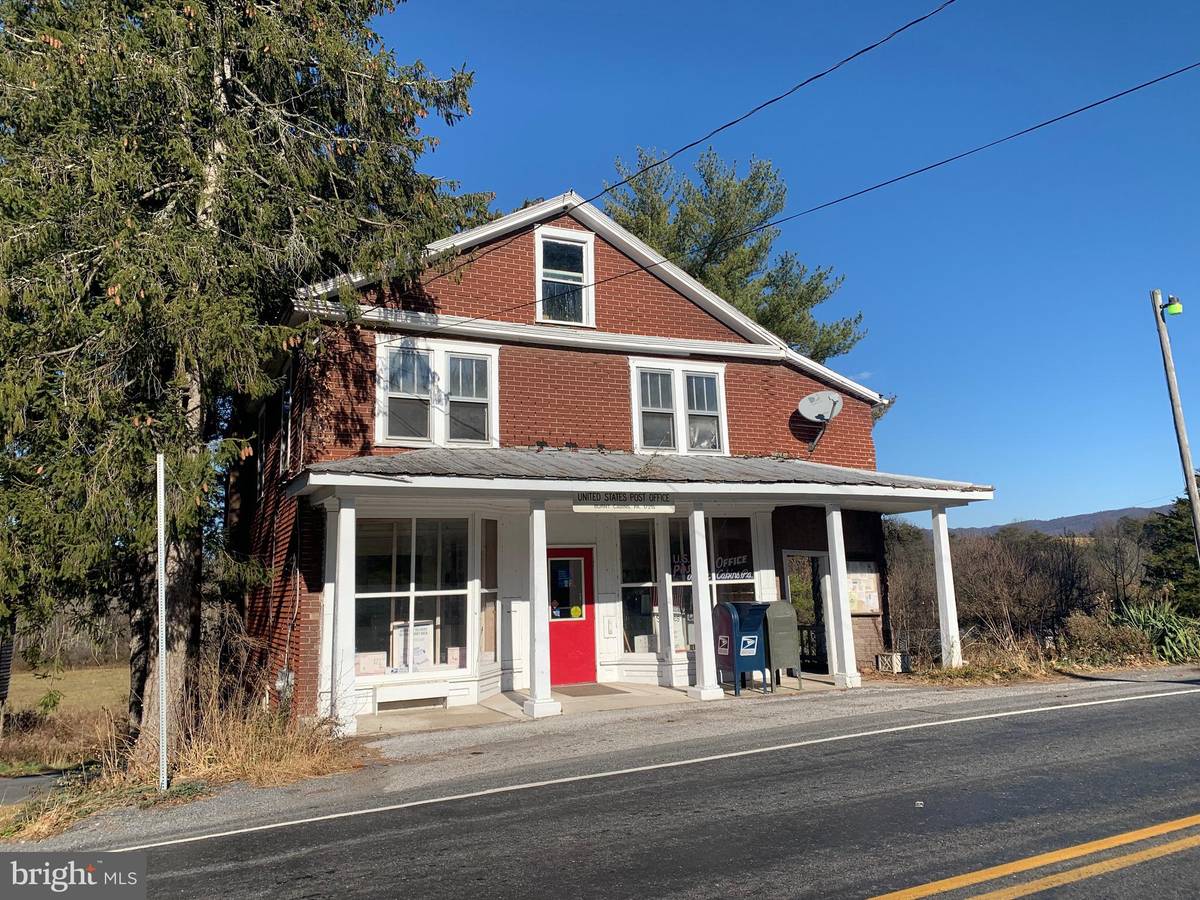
527,473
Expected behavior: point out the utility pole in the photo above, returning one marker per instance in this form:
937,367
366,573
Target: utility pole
1185,453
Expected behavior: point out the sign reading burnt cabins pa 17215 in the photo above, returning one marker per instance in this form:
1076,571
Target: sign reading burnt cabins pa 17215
623,502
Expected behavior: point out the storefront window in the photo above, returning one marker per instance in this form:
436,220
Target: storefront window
682,617
638,592
731,554
411,595
489,583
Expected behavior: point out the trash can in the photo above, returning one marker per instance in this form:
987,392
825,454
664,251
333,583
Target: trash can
783,640
741,645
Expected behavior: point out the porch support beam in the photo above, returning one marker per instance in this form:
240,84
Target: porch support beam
947,603
343,693
706,686
328,651
666,633
540,703
844,665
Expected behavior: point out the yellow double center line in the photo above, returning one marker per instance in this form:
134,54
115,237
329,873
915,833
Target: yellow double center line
1058,856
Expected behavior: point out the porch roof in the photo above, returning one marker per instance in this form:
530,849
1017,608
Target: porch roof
577,469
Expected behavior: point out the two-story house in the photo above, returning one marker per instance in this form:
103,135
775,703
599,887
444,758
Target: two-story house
545,468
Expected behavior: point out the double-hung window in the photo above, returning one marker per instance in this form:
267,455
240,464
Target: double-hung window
703,411
657,409
440,393
469,397
678,407
409,397
564,276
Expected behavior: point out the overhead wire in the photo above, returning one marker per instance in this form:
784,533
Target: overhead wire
912,173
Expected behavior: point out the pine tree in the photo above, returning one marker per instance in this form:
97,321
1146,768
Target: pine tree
700,224
170,174
1171,556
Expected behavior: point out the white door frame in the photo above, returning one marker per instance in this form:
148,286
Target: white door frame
822,558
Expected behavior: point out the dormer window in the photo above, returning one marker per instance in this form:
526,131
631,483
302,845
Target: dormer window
564,276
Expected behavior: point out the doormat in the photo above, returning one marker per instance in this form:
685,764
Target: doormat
587,690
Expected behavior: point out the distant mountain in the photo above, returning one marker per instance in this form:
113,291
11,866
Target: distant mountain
1080,524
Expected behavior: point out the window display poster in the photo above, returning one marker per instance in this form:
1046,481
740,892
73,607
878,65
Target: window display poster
422,645
372,663
864,587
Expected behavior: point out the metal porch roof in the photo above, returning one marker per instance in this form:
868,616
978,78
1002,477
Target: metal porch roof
594,465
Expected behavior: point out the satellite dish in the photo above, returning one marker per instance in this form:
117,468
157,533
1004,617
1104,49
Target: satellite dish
823,406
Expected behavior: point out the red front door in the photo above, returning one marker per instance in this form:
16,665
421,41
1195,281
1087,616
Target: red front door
572,615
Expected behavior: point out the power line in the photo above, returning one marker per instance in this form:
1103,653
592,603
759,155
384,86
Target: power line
796,87
740,236
738,120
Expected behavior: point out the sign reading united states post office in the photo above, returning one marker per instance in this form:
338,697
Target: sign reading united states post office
623,502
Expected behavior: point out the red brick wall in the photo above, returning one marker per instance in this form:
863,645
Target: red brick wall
286,537
582,396
503,277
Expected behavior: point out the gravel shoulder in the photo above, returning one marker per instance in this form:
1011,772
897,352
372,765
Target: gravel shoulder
436,764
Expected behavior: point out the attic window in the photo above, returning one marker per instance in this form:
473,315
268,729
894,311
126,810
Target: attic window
564,276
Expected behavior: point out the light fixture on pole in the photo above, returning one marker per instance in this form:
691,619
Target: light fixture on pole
1174,307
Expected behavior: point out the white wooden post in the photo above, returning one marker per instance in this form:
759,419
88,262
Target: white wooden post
328,605
666,627
540,702
343,694
826,599
845,670
947,605
706,687
764,557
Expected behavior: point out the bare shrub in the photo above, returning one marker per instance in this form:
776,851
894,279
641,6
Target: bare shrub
1092,641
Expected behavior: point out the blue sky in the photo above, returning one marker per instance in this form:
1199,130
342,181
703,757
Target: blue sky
1006,296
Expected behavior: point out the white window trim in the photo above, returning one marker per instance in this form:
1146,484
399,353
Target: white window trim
472,670
679,372
567,236
286,400
439,428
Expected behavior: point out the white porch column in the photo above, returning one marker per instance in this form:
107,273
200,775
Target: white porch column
764,557
540,703
706,687
845,669
344,707
666,628
328,606
947,605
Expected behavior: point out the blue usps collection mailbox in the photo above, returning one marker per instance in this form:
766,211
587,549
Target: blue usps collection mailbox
741,645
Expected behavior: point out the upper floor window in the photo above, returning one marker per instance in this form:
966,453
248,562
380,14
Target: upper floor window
564,276
679,407
441,393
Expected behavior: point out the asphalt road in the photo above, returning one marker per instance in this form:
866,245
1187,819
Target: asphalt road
852,817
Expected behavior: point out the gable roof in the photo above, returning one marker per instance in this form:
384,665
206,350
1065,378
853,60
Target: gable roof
572,204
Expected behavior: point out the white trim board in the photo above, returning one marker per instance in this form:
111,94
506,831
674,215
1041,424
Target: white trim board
578,337
310,481
667,272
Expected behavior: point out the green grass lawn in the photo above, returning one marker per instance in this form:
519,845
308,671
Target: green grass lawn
83,690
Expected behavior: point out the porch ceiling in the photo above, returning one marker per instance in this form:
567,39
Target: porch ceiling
695,475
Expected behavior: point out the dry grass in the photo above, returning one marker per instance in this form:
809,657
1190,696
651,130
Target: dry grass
231,737
72,732
1088,646
34,743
